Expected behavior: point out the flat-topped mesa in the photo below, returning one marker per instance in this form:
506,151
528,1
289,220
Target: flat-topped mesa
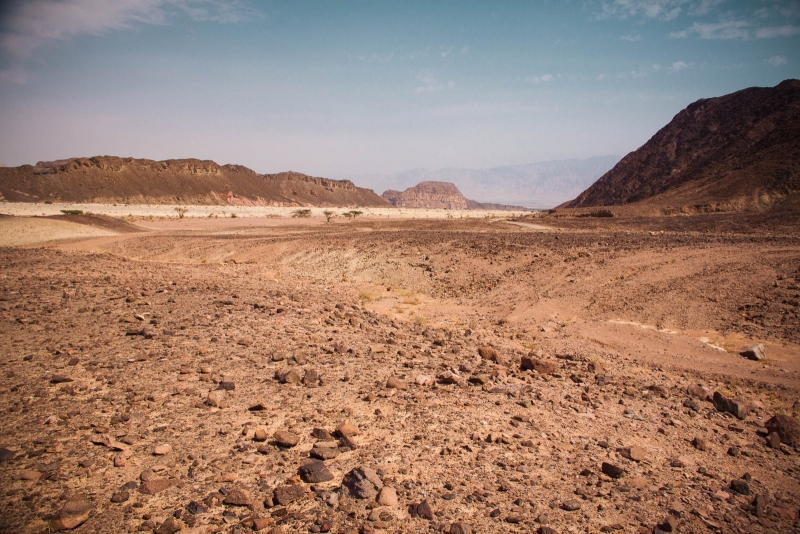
731,153
433,195
111,179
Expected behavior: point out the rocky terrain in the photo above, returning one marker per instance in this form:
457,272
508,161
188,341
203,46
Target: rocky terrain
403,376
107,179
732,153
438,195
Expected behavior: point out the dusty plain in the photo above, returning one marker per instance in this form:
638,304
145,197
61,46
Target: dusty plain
453,375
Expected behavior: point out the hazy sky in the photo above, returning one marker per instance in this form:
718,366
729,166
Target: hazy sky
332,87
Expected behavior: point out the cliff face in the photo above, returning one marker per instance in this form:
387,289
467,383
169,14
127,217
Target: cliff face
108,179
435,195
736,152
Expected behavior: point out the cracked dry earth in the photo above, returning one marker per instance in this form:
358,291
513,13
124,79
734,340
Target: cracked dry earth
399,377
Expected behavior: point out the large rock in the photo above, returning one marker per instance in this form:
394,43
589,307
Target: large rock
363,483
315,472
73,514
543,367
731,405
284,495
755,352
786,428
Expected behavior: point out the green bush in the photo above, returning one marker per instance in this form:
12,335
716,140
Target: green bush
72,212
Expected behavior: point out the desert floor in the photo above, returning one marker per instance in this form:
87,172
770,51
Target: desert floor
160,374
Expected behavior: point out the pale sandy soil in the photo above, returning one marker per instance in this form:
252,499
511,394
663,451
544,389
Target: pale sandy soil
191,211
22,231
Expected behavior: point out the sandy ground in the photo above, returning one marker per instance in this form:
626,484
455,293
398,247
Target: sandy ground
182,374
22,231
171,211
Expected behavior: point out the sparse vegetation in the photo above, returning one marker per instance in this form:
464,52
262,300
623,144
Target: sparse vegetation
366,295
181,211
301,213
329,215
72,212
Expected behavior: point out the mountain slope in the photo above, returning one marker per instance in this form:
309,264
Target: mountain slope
735,152
108,179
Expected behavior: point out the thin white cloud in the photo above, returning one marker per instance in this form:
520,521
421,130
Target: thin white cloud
444,52
779,31
545,78
430,83
648,9
601,77
464,49
731,29
631,38
704,7
777,61
30,24
677,66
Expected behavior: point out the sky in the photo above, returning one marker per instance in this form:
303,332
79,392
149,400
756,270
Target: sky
345,87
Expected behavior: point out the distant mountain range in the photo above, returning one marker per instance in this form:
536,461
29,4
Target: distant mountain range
738,152
537,185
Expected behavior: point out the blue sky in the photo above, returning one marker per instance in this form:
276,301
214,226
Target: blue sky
340,87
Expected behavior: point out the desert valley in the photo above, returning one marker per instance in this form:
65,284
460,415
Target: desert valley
196,347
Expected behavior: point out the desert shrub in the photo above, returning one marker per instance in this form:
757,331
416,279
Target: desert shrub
72,212
302,214
598,213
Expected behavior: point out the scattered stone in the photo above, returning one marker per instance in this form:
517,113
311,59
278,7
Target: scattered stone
571,505
30,474
740,486
670,524
489,353
284,495
387,496
315,472
395,383
460,528
169,526
74,513
363,483
120,496
755,352
773,440
699,392
732,406
162,450
324,453
237,497
226,385
155,485
700,444
6,454
612,470
216,398
347,429
59,379
311,378
422,510
635,453
321,434
293,376
543,367
260,435
284,438
786,427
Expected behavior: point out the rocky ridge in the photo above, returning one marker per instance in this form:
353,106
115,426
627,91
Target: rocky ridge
108,179
735,152
438,195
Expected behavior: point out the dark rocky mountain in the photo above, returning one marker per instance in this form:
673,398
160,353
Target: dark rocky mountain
438,195
735,152
108,179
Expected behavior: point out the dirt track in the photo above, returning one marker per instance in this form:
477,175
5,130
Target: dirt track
622,316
